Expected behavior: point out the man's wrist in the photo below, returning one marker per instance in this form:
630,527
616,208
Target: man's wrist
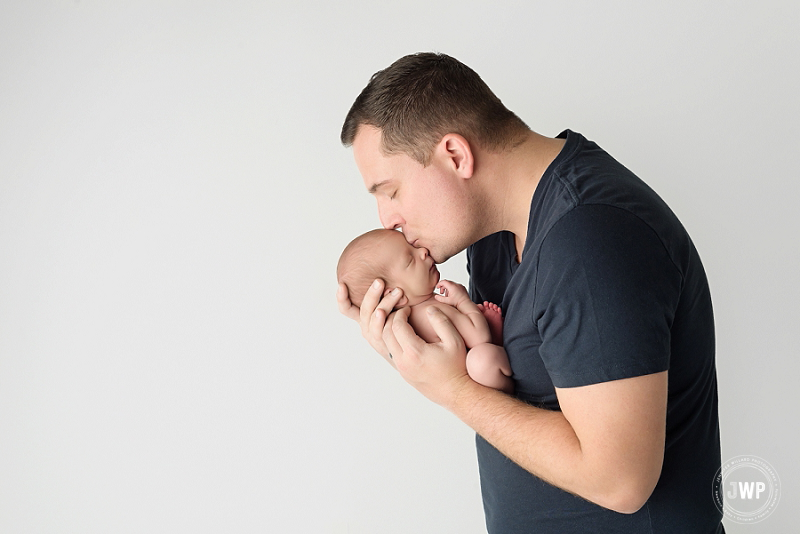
464,392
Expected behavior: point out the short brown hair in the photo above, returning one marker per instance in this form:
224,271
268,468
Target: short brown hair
355,270
420,98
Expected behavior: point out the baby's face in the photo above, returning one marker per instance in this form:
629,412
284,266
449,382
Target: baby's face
409,268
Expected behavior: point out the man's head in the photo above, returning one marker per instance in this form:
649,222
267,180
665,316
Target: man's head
387,255
421,97
415,130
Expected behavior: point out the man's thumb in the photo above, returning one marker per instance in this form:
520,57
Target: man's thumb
443,327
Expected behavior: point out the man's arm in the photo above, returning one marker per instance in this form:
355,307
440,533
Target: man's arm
606,445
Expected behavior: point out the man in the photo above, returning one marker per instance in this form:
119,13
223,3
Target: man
608,325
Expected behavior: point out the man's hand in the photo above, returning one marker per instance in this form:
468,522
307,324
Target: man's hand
372,314
437,370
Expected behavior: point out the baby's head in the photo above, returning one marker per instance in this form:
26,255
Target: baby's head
386,254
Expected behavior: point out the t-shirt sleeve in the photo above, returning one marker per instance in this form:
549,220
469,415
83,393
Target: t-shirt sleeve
606,294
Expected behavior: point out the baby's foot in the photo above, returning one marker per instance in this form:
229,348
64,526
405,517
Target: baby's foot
494,316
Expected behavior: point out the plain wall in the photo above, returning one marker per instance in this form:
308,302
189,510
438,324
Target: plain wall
174,198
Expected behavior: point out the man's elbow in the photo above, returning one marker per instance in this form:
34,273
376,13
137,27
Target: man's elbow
630,498
629,504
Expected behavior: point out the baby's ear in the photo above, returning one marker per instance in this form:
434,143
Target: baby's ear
403,300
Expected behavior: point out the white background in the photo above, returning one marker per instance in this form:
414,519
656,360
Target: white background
174,198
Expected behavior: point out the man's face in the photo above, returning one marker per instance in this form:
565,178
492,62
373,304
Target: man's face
429,204
409,268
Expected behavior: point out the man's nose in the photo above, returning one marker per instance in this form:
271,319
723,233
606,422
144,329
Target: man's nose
390,219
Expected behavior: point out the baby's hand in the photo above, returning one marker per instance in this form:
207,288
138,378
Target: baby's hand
451,293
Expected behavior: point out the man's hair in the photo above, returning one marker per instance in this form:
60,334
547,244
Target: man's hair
357,268
420,98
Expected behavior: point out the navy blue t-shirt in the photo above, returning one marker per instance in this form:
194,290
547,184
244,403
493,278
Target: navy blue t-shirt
610,286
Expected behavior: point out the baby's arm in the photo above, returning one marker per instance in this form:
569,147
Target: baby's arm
470,322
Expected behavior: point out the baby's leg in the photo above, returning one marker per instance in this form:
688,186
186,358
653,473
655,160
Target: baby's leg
494,316
487,364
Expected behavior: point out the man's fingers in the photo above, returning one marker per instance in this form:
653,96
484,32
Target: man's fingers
389,339
444,328
371,299
402,335
400,338
345,306
374,315
391,300
382,311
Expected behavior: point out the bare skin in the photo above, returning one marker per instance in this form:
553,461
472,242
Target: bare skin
486,363
413,270
607,442
494,317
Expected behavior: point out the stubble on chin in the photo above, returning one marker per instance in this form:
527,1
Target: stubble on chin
440,257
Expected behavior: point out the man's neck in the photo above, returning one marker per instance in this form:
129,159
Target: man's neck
518,172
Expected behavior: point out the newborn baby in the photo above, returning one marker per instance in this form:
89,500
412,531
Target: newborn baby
387,255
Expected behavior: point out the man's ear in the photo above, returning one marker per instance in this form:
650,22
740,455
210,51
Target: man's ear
457,154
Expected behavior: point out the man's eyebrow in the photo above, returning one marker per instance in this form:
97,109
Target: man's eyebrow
374,188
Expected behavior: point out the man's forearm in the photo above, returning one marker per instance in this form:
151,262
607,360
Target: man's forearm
544,443
606,445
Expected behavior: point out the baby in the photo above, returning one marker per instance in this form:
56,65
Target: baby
387,255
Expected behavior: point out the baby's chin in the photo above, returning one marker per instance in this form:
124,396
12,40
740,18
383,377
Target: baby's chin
416,299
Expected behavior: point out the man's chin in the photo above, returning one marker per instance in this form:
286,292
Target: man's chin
441,256
438,257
